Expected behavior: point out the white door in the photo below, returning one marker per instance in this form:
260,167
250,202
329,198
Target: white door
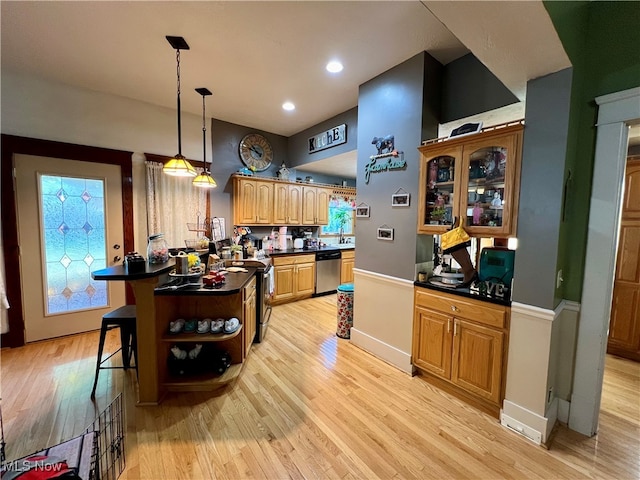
69,225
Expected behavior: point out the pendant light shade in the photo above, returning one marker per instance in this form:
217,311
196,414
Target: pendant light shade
204,180
179,166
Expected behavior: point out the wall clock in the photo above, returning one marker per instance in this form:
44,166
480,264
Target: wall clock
256,151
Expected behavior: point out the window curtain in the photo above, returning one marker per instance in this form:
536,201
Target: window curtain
172,202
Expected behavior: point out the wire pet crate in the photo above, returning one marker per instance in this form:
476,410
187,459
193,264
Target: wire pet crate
109,460
97,454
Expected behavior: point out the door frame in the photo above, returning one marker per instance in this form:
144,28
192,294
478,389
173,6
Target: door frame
615,112
12,145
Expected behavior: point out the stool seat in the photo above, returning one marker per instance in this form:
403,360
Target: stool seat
123,318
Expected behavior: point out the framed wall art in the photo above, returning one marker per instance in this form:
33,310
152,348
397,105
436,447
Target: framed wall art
362,211
400,199
385,233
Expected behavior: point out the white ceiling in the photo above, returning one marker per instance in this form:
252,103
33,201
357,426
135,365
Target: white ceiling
254,56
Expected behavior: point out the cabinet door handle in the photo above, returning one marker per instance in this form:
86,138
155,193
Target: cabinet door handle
448,326
454,308
455,328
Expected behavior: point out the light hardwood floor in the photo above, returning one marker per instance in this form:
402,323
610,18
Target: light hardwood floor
307,405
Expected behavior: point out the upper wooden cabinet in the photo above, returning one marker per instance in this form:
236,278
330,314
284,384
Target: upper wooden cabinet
252,201
287,204
263,201
476,177
315,205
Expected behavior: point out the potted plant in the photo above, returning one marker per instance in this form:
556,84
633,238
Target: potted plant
342,217
438,214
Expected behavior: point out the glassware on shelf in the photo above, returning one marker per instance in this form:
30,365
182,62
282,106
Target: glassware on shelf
157,249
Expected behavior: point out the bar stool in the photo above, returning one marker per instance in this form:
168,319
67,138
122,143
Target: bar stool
125,319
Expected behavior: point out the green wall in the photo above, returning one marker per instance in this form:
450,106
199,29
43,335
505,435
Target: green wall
602,40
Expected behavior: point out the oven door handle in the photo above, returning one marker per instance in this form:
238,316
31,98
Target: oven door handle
266,315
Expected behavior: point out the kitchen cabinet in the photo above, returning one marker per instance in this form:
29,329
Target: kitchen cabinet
294,277
249,315
346,266
476,177
461,344
287,204
263,201
315,205
252,201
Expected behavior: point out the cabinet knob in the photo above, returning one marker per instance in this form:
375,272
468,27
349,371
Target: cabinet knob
454,308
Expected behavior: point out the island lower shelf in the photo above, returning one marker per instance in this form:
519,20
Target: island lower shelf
201,373
203,382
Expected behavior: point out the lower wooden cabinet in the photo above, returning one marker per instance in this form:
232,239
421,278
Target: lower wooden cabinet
249,317
346,266
462,343
294,277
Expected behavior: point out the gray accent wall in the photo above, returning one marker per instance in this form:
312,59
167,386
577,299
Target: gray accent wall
298,150
470,88
392,104
225,138
541,189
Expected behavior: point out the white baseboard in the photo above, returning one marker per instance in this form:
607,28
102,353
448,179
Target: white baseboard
525,422
388,353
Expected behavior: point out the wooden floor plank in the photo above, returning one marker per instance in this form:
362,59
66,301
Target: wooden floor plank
308,405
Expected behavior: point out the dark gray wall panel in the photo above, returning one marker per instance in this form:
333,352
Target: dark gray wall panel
298,150
541,188
470,88
392,104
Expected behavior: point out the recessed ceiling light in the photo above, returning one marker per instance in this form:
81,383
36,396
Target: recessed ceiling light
288,106
334,66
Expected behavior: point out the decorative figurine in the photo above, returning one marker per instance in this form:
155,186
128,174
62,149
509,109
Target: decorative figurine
283,172
497,201
477,213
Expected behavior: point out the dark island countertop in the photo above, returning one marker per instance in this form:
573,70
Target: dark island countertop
474,293
234,283
120,272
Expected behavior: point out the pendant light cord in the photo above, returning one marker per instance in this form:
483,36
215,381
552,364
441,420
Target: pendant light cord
204,139
179,122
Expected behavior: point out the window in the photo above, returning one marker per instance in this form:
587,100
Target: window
341,215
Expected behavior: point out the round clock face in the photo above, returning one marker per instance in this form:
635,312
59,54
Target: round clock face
256,151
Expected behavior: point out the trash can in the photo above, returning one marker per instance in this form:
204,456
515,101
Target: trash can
345,310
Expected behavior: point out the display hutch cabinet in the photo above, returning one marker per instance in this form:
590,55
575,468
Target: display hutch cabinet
476,177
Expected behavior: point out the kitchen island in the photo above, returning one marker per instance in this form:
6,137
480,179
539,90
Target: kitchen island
156,308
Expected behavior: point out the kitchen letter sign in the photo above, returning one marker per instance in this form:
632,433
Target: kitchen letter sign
330,138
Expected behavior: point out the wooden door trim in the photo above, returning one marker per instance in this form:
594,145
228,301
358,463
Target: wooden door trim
13,145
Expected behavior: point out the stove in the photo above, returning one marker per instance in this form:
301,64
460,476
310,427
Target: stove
264,291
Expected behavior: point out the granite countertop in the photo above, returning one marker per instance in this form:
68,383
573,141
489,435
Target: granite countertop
234,283
469,293
300,251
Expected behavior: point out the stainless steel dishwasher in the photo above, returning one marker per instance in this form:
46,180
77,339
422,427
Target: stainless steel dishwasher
327,271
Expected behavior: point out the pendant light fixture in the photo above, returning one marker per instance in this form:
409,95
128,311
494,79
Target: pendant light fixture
204,180
179,166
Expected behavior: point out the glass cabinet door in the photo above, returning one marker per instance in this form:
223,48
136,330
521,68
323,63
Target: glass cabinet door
439,183
487,186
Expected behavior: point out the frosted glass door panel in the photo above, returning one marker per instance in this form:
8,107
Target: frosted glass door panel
73,221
